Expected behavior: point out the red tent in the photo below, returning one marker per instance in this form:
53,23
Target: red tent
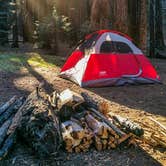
106,58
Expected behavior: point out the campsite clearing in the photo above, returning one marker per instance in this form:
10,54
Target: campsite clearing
137,102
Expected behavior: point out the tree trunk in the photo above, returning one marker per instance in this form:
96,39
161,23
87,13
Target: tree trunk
159,38
121,22
143,26
152,29
100,14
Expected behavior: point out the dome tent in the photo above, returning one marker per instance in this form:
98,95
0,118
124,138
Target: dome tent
108,58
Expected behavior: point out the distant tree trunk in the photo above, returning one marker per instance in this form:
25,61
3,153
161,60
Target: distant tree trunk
143,25
159,38
15,28
121,21
100,13
134,17
28,20
152,29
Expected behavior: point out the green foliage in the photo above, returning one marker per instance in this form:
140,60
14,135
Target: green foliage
78,34
50,29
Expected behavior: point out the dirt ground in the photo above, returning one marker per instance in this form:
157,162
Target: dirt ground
136,102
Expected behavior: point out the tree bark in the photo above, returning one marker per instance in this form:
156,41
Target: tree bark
38,128
121,21
159,38
143,25
152,29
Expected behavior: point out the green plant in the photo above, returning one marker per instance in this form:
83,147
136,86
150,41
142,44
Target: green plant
52,28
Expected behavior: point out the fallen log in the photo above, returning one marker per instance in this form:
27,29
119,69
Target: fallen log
128,125
7,145
18,116
4,129
5,106
37,126
11,110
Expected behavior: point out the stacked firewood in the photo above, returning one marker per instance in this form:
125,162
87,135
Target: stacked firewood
76,137
84,126
7,112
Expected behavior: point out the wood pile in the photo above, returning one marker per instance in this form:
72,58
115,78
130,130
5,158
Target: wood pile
74,121
84,126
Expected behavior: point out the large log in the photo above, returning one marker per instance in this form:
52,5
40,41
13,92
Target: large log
5,106
37,126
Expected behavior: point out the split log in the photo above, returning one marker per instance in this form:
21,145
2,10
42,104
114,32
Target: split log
5,106
76,130
115,128
68,97
129,126
76,137
11,110
98,143
93,106
94,124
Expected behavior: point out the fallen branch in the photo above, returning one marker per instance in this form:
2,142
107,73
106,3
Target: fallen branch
158,140
158,123
4,129
11,110
7,145
115,128
5,106
128,125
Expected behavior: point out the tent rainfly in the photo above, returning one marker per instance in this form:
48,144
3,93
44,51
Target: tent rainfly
108,58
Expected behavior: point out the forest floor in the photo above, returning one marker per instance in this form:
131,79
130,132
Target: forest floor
20,73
